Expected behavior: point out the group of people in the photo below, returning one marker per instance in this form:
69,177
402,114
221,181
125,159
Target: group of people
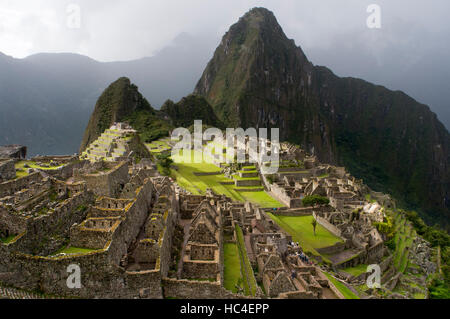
300,255
304,258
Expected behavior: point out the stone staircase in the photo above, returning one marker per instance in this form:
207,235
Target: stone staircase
110,146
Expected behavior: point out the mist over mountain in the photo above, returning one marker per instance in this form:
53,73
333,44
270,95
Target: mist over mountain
46,99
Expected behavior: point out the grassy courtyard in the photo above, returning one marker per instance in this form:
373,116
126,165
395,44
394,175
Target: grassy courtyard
301,230
232,267
68,250
185,177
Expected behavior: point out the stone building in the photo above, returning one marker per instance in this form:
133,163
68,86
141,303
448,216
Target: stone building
204,245
13,151
7,170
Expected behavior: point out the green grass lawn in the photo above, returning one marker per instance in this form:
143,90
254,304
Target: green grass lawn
232,267
356,271
301,230
198,184
249,280
348,294
21,171
73,250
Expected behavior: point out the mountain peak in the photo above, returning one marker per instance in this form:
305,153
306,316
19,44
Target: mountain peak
257,23
254,50
259,13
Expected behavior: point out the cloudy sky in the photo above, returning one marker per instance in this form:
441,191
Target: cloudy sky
408,50
122,30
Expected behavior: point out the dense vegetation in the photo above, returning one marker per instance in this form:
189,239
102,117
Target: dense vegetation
440,285
188,109
164,162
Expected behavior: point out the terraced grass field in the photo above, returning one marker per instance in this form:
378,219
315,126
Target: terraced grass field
21,171
404,237
185,177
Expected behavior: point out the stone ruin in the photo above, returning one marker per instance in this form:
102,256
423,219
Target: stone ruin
118,143
13,151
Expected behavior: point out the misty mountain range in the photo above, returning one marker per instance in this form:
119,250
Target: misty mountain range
46,99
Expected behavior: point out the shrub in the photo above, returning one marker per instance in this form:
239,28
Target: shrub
165,162
314,200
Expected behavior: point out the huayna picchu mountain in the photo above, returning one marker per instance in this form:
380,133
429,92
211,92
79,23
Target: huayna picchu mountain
260,78
188,109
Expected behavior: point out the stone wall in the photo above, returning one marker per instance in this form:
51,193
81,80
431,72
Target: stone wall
58,222
247,182
10,187
331,250
92,237
66,171
7,170
188,289
327,225
11,223
108,183
296,295
207,173
98,278
100,272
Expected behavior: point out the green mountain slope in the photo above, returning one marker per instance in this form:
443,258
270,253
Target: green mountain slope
189,109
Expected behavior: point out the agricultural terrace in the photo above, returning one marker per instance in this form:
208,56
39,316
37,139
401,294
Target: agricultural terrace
185,175
21,170
158,147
